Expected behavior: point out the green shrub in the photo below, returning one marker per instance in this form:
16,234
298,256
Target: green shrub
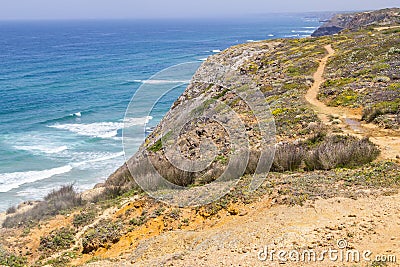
293,71
84,218
294,86
316,138
102,235
391,31
382,108
157,146
138,221
60,261
346,98
222,159
11,260
110,192
394,86
338,82
57,240
175,214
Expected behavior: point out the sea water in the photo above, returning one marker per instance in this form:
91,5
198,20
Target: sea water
65,86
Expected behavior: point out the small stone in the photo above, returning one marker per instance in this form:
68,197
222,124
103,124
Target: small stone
233,210
243,213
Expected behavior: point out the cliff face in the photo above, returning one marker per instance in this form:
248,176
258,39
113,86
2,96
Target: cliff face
356,21
219,128
277,73
282,71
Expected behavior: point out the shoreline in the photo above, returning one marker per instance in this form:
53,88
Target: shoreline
3,216
88,192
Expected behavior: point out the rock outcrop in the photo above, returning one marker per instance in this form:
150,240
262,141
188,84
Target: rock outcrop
355,21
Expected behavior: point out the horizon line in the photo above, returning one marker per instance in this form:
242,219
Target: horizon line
214,17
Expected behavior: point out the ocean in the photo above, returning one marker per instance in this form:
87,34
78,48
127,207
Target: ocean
65,87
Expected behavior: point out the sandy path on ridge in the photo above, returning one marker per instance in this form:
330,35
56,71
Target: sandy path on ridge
350,119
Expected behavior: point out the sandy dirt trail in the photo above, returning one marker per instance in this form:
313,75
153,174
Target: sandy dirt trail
369,223
349,120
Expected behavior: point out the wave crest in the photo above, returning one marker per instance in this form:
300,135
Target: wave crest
101,129
9,181
42,149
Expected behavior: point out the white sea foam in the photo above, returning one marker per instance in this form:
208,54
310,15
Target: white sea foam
9,181
160,81
271,35
98,158
216,51
203,59
43,149
293,35
309,27
101,129
137,121
308,31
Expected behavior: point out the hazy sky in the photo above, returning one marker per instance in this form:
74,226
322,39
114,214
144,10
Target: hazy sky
101,9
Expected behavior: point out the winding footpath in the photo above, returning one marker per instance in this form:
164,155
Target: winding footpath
349,120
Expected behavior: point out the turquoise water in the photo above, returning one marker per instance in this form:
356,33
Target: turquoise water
65,87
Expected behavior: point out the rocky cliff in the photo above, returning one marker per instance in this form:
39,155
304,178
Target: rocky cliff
281,71
326,181
355,21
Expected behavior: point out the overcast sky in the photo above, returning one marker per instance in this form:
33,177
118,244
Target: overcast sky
103,9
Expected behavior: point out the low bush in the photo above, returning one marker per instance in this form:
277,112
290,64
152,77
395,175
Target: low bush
138,221
340,151
288,157
11,210
84,218
60,261
103,234
8,259
54,203
382,108
109,192
321,152
57,240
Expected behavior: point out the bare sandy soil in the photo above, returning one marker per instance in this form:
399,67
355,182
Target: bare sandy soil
367,224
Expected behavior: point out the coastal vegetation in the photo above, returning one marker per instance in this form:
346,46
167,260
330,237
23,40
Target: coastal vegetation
316,157
56,202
